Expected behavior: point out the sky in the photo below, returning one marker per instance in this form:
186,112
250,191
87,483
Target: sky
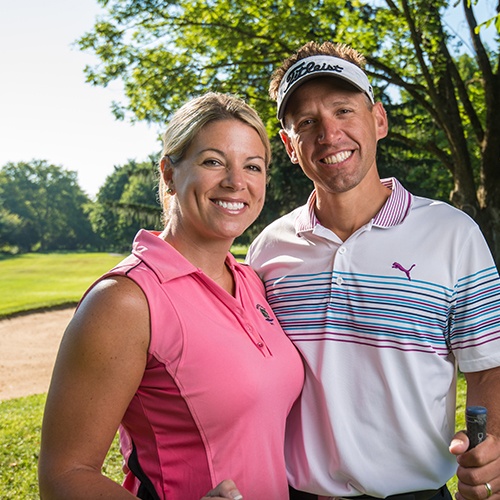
48,111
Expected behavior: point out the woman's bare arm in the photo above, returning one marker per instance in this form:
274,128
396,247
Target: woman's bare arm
98,369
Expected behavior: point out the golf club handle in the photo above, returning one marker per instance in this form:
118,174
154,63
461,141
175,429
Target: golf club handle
475,417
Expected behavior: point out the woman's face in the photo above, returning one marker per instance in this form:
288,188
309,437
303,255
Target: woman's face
220,183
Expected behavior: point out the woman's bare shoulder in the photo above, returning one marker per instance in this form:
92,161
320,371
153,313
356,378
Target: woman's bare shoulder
115,307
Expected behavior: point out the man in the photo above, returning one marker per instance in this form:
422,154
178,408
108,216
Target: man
384,294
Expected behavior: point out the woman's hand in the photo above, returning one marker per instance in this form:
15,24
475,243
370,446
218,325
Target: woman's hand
225,489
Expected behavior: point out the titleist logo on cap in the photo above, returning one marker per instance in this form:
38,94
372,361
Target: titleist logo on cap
305,68
320,65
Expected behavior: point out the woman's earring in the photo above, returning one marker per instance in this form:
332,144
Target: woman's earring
170,191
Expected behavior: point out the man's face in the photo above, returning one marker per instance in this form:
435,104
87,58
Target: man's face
332,131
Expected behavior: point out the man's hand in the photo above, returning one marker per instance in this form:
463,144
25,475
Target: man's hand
478,469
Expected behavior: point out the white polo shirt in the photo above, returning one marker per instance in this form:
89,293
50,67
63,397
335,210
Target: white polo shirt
381,320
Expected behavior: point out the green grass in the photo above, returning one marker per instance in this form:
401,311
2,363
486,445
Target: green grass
20,425
33,282
20,421
37,281
459,421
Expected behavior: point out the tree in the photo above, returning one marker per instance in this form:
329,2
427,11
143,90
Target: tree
442,102
126,202
42,207
10,231
486,24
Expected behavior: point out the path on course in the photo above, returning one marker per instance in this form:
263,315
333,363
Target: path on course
28,349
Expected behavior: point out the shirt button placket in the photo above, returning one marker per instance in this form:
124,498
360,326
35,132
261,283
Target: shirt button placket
339,281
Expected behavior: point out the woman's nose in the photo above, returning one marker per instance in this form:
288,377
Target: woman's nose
234,179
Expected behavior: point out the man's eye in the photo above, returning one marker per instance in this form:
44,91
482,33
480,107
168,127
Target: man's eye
305,123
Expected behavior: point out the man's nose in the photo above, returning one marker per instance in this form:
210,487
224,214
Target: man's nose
329,131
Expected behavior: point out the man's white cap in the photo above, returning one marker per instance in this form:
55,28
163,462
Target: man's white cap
320,65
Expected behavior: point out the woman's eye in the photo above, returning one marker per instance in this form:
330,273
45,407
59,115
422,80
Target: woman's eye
212,163
255,168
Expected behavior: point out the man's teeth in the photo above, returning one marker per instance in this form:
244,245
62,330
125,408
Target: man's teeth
230,205
337,158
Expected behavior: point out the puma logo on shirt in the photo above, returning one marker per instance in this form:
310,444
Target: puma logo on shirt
397,265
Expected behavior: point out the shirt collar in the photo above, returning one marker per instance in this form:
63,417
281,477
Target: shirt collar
394,212
397,207
163,259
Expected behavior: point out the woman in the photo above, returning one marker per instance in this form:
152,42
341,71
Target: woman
177,345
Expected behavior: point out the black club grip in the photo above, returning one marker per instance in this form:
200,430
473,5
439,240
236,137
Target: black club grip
475,417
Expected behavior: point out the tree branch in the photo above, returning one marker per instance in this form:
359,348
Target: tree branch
429,147
481,55
418,92
417,44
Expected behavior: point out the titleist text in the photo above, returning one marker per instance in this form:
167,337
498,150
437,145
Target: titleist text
311,67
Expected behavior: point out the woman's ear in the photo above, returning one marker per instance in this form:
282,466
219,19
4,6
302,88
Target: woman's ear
166,169
167,173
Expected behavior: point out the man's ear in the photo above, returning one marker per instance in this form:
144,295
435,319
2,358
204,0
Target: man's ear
381,120
288,146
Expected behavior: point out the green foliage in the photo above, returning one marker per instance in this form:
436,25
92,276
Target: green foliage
20,430
166,52
486,24
127,202
10,229
419,173
42,208
36,281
